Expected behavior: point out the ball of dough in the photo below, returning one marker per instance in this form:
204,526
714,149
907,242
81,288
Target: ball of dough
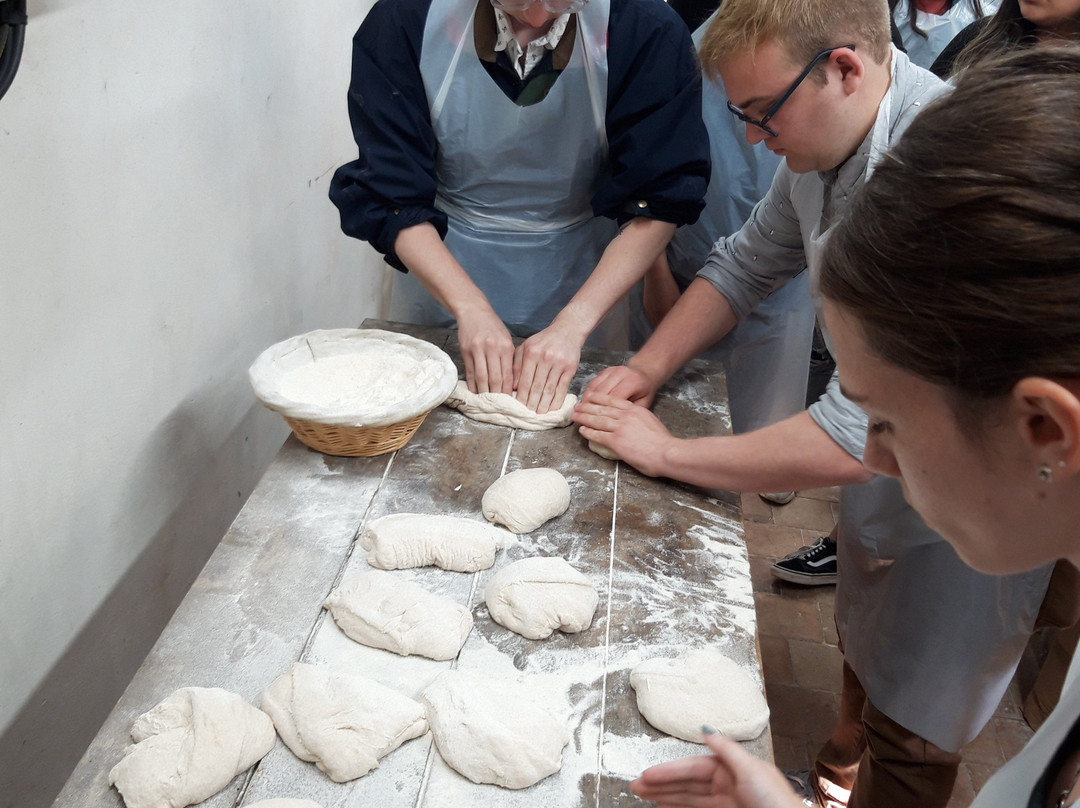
405,540
702,686
342,724
524,499
384,611
189,747
491,731
535,596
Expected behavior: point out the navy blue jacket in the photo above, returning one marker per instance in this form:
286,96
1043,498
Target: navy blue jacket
659,149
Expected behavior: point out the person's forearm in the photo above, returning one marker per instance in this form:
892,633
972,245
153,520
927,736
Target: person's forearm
425,255
700,317
624,263
794,454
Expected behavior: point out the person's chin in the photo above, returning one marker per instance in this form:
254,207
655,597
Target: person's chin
795,163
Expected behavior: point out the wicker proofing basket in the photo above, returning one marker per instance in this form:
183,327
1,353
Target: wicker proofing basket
355,441
346,433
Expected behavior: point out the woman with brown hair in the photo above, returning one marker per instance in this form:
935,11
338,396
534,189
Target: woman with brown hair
952,293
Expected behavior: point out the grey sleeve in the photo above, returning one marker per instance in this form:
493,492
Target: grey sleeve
841,418
763,255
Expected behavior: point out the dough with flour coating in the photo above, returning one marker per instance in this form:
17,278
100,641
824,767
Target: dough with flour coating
505,410
524,499
492,731
701,686
343,724
536,596
405,540
284,803
385,611
189,747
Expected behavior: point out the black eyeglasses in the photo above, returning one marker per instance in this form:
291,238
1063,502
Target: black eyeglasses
761,124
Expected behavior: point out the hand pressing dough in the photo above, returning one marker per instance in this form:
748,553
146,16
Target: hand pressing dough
342,724
698,687
535,596
284,803
505,410
491,731
189,747
404,540
525,499
384,611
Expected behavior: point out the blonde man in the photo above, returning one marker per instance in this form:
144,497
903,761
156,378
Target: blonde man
820,84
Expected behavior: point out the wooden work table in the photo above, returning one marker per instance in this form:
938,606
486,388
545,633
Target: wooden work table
668,560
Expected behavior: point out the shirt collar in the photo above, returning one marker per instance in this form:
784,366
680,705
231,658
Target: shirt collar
486,35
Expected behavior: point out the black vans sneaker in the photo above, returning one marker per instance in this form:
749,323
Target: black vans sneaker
810,566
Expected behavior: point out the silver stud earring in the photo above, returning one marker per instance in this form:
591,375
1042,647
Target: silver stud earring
1046,474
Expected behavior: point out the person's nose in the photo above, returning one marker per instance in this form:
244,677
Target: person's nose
754,134
878,458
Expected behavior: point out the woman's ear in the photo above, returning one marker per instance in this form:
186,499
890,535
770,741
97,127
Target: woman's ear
1049,423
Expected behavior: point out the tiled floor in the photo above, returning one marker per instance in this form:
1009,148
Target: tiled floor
798,648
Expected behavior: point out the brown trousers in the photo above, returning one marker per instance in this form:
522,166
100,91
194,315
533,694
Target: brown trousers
895,767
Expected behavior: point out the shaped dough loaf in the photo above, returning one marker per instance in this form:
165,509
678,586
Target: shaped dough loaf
505,410
342,724
492,732
535,596
189,747
525,499
404,540
381,610
698,687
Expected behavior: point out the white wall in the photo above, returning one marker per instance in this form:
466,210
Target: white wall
163,218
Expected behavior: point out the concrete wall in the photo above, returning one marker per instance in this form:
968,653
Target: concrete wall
163,218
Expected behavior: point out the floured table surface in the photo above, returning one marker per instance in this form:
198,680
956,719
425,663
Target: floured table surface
668,561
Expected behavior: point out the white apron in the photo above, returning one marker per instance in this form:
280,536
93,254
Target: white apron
766,356
939,28
933,642
516,182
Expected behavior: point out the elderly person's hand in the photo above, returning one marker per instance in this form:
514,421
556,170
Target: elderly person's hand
728,778
488,352
629,430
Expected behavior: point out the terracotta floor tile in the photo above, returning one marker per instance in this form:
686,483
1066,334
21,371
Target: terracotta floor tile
816,666
772,541
776,660
793,620
810,514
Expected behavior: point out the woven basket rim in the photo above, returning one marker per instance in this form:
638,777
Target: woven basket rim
266,373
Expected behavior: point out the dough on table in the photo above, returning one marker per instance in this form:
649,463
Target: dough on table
189,747
382,610
603,451
491,731
535,596
524,499
404,540
341,723
505,410
701,686
284,802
